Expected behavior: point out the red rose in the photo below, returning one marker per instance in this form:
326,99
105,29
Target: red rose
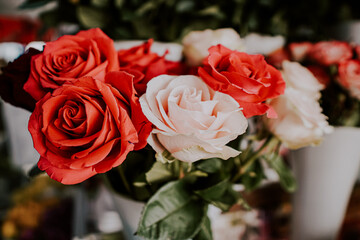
87,127
349,76
88,53
320,73
247,78
12,81
145,65
330,52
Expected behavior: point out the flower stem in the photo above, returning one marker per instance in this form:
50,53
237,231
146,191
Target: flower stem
253,157
124,180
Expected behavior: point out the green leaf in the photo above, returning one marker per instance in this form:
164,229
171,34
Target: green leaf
172,213
220,195
215,191
205,232
227,200
287,179
168,199
209,165
253,177
34,4
91,17
158,173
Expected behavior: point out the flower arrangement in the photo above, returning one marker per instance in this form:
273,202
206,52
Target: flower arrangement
178,135
335,64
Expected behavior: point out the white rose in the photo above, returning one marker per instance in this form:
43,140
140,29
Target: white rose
263,44
191,120
300,120
197,43
299,77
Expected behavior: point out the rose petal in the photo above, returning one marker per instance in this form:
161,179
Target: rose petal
65,176
195,153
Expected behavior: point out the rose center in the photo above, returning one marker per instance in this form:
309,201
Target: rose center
72,117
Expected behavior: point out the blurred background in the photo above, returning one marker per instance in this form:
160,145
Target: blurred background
43,209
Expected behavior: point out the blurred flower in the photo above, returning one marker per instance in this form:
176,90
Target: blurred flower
300,120
197,43
263,44
300,78
330,52
299,50
13,78
349,76
8,229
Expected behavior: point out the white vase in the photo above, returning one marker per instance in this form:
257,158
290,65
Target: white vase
325,177
23,154
130,212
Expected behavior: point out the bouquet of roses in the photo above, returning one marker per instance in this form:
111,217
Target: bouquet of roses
173,134
336,66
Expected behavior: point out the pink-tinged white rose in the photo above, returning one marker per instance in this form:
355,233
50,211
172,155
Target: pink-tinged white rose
191,120
299,50
263,44
197,43
330,52
349,76
300,120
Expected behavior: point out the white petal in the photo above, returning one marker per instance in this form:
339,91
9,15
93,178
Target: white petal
301,78
196,153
